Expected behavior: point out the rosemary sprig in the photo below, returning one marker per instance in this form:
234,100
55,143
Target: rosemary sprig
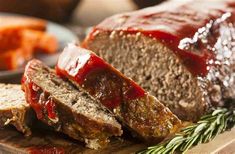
203,131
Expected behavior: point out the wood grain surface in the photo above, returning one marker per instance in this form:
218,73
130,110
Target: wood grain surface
13,142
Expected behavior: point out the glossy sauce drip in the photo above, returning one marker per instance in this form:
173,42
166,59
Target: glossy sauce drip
97,77
188,30
39,104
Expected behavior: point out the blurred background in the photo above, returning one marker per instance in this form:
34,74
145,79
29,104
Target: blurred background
75,19
82,13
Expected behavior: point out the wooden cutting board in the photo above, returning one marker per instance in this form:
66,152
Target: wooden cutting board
12,142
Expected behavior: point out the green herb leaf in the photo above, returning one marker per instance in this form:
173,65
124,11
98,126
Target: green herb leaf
209,126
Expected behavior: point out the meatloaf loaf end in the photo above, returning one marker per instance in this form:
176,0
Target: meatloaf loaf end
182,52
14,110
142,113
66,108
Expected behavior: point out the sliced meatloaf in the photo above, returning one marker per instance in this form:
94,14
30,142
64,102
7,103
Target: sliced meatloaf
183,52
142,113
14,110
66,108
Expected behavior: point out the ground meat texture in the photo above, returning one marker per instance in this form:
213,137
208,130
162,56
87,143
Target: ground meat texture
142,113
14,110
69,110
182,53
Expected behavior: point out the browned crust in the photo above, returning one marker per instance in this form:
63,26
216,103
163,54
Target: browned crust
98,44
211,89
74,124
80,127
142,114
20,118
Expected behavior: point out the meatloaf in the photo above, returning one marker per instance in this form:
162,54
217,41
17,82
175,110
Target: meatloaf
14,110
66,108
141,112
183,52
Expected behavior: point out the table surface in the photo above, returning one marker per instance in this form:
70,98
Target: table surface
12,142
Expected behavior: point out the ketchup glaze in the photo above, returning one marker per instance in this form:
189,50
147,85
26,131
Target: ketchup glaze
43,105
189,29
97,77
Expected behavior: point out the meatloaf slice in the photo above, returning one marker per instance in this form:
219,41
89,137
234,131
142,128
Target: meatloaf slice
182,52
14,110
67,109
142,113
